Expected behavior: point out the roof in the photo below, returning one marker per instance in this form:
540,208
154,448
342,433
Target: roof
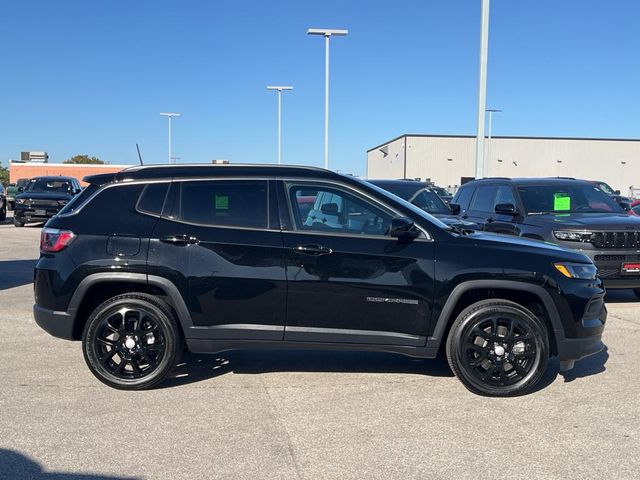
432,135
52,177
528,180
153,172
408,183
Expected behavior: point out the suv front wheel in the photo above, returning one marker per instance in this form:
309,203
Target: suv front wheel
132,341
498,348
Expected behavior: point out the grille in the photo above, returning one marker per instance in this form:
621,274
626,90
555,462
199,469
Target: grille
608,272
616,239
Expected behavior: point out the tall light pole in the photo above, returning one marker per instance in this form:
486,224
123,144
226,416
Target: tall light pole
170,116
279,89
482,87
491,111
327,33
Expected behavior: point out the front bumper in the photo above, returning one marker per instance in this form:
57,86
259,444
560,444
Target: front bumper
58,324
35,213
589,339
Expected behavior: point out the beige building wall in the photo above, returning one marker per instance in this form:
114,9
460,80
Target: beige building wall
445,159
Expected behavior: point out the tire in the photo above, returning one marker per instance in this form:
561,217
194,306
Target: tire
637,292
3,213
11,206
498,348
129,354
17,223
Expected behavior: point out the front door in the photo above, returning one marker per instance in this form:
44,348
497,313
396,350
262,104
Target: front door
225,237
348,281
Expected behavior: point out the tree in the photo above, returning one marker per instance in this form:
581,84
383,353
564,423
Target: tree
4,175
84,159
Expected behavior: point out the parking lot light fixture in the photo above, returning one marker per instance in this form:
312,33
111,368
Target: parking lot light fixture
170,115
327,33
279,89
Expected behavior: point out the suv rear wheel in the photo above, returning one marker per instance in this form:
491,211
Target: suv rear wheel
498,348
132,341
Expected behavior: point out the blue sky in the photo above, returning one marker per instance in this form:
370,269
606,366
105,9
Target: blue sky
92,76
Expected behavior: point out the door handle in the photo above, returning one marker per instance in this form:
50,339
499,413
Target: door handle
179,239
312,249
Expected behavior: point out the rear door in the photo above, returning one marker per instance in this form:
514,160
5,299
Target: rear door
220,243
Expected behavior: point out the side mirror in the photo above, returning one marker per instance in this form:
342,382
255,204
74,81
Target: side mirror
625,206
506,209
617,192
403,228
455,208
329,209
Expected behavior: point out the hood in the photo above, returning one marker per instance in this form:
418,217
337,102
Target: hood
451,220
44,196
528,246
588,221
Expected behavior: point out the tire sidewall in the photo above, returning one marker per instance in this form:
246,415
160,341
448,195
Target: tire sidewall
164,320
476,313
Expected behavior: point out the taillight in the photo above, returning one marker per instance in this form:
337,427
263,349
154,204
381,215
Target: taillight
54,240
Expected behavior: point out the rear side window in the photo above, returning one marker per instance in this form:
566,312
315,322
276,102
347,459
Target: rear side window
152,198
233,203
483,199
79,200
463,197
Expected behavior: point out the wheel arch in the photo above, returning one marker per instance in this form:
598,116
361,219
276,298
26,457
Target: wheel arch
469,292
98,287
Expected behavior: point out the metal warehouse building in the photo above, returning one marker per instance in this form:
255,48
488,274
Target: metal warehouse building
449,160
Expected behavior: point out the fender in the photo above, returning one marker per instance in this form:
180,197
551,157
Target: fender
178,303
442,323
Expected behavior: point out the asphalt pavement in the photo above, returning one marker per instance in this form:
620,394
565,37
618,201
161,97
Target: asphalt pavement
309,415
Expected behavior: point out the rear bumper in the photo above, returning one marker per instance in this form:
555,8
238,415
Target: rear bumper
58,324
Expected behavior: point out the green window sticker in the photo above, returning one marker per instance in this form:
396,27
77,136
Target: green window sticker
222,202
561,201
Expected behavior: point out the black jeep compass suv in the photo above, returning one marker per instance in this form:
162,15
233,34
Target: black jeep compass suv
220,257
569,212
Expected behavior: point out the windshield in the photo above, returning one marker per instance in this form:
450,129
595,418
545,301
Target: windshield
49,185
441,191
567,198
605,188
411,206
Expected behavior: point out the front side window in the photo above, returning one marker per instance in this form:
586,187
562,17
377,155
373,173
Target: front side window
569,198
483,200
463,197
338,211
233,203
505,195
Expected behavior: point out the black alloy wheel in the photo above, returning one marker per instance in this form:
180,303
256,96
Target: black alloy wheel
498,348
131,341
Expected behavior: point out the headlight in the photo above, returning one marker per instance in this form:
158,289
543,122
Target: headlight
572,236
20,201
583,271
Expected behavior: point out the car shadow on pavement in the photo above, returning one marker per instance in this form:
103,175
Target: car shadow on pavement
624,295
591,365
16,273
16,465
197,367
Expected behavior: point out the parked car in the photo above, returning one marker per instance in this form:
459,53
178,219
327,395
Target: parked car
568,212
423,196
3,204
43,197
14,189
615,194
221,257
634,208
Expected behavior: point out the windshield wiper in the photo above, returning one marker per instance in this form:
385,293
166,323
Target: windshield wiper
459,230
